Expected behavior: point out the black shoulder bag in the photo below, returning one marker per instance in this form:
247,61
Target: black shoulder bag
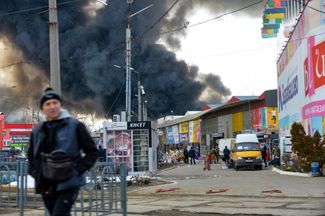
58,165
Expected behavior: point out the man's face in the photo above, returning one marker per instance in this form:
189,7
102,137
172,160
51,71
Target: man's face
51,108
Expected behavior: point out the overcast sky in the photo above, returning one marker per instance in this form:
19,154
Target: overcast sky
233,48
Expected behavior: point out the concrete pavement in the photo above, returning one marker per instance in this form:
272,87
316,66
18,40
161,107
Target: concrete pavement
192,180
300,195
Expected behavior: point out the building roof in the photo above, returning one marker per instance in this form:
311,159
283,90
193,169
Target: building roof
211,106
234,99
182,119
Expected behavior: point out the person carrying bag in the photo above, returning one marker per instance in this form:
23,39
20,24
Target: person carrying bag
54,155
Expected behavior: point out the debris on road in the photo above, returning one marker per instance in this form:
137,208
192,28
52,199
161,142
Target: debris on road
166,190
220,190
272,191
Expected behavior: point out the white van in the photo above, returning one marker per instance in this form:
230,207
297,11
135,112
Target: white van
225,142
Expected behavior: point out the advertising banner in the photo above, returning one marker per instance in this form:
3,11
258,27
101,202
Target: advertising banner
19,140
256,115
175,134
170,135
183,127
272,117
119,147
194,131
237,122
183,138
301,74
183,133
116,126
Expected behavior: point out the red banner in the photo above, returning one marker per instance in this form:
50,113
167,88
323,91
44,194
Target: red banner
318,57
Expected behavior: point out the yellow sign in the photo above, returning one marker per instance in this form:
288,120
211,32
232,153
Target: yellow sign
272,117
237,122
194,131
183,127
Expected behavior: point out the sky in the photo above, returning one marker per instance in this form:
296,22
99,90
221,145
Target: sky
232,47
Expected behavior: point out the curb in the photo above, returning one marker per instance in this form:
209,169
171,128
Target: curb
262,196
281,172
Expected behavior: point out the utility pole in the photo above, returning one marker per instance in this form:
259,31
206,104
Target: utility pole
128,64
54,47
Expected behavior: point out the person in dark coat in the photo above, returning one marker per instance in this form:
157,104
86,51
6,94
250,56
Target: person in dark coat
264,152
226,154
185,153
59,133
192,155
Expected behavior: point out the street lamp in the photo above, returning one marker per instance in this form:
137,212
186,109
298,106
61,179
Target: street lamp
128,57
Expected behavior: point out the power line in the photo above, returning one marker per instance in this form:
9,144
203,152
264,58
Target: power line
158,20
205,21
117,96
36,8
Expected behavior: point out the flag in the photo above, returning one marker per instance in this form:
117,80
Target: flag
269,35
272,26
273,16
275,10
272,21
276,3
270,31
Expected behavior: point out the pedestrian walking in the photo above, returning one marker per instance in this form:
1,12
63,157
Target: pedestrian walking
264,154
276,156
185,153
54,155
226,154
276,151
192,155
215,154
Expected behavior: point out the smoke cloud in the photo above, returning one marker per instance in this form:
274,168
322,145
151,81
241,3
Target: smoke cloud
92,41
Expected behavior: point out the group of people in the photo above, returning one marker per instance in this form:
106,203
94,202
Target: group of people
216,155
189,154
266,155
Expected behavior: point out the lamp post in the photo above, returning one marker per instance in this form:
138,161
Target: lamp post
128,39
128,58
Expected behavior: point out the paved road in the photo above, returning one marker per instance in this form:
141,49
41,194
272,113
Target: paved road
193,180
300,195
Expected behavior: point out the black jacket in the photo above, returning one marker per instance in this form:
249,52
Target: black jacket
69,135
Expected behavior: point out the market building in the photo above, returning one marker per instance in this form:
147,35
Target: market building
301,71
241,113
256,114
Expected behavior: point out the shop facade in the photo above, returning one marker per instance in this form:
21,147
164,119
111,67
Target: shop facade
301,76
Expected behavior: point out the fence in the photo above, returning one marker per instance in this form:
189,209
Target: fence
105,192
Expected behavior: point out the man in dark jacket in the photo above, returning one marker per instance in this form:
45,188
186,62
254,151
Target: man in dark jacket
59,132
264,152
226,154
192,155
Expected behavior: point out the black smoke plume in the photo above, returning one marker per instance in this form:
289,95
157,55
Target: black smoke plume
92,41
